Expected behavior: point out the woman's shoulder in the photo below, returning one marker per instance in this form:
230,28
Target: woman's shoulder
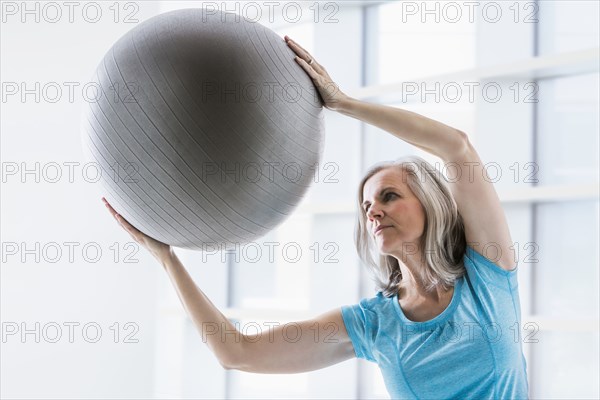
482,269
376,304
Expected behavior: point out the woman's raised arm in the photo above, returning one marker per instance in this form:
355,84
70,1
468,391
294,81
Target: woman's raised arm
288,348
200,309
427,134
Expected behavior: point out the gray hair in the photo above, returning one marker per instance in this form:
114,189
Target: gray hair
443,242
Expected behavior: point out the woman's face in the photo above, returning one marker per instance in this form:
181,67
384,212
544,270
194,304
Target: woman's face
388,202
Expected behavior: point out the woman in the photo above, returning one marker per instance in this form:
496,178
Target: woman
446,321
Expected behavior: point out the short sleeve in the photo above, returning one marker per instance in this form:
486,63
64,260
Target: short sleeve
357,322
482,270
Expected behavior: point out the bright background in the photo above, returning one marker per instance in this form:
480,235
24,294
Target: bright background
544,126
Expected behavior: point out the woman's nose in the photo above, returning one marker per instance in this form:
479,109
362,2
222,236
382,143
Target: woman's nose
374,212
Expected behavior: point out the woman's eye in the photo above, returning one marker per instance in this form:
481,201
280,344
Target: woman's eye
385,197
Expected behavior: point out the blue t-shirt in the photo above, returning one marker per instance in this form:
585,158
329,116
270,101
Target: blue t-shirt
472,350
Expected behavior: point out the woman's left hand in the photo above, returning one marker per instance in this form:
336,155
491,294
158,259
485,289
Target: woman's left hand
330,92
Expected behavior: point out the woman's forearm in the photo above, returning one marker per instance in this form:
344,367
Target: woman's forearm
430,135
215,329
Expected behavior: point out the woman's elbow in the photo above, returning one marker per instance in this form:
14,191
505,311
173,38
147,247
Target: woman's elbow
458,148
230,362
230,358
227,366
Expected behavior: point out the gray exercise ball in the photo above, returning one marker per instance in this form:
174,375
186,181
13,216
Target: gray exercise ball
205,129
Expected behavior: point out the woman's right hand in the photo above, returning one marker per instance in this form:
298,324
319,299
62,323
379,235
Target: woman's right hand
158,249
330,92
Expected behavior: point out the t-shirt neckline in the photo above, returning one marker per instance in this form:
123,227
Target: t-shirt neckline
440,318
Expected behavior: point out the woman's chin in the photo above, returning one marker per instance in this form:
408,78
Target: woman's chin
385,247
390,247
